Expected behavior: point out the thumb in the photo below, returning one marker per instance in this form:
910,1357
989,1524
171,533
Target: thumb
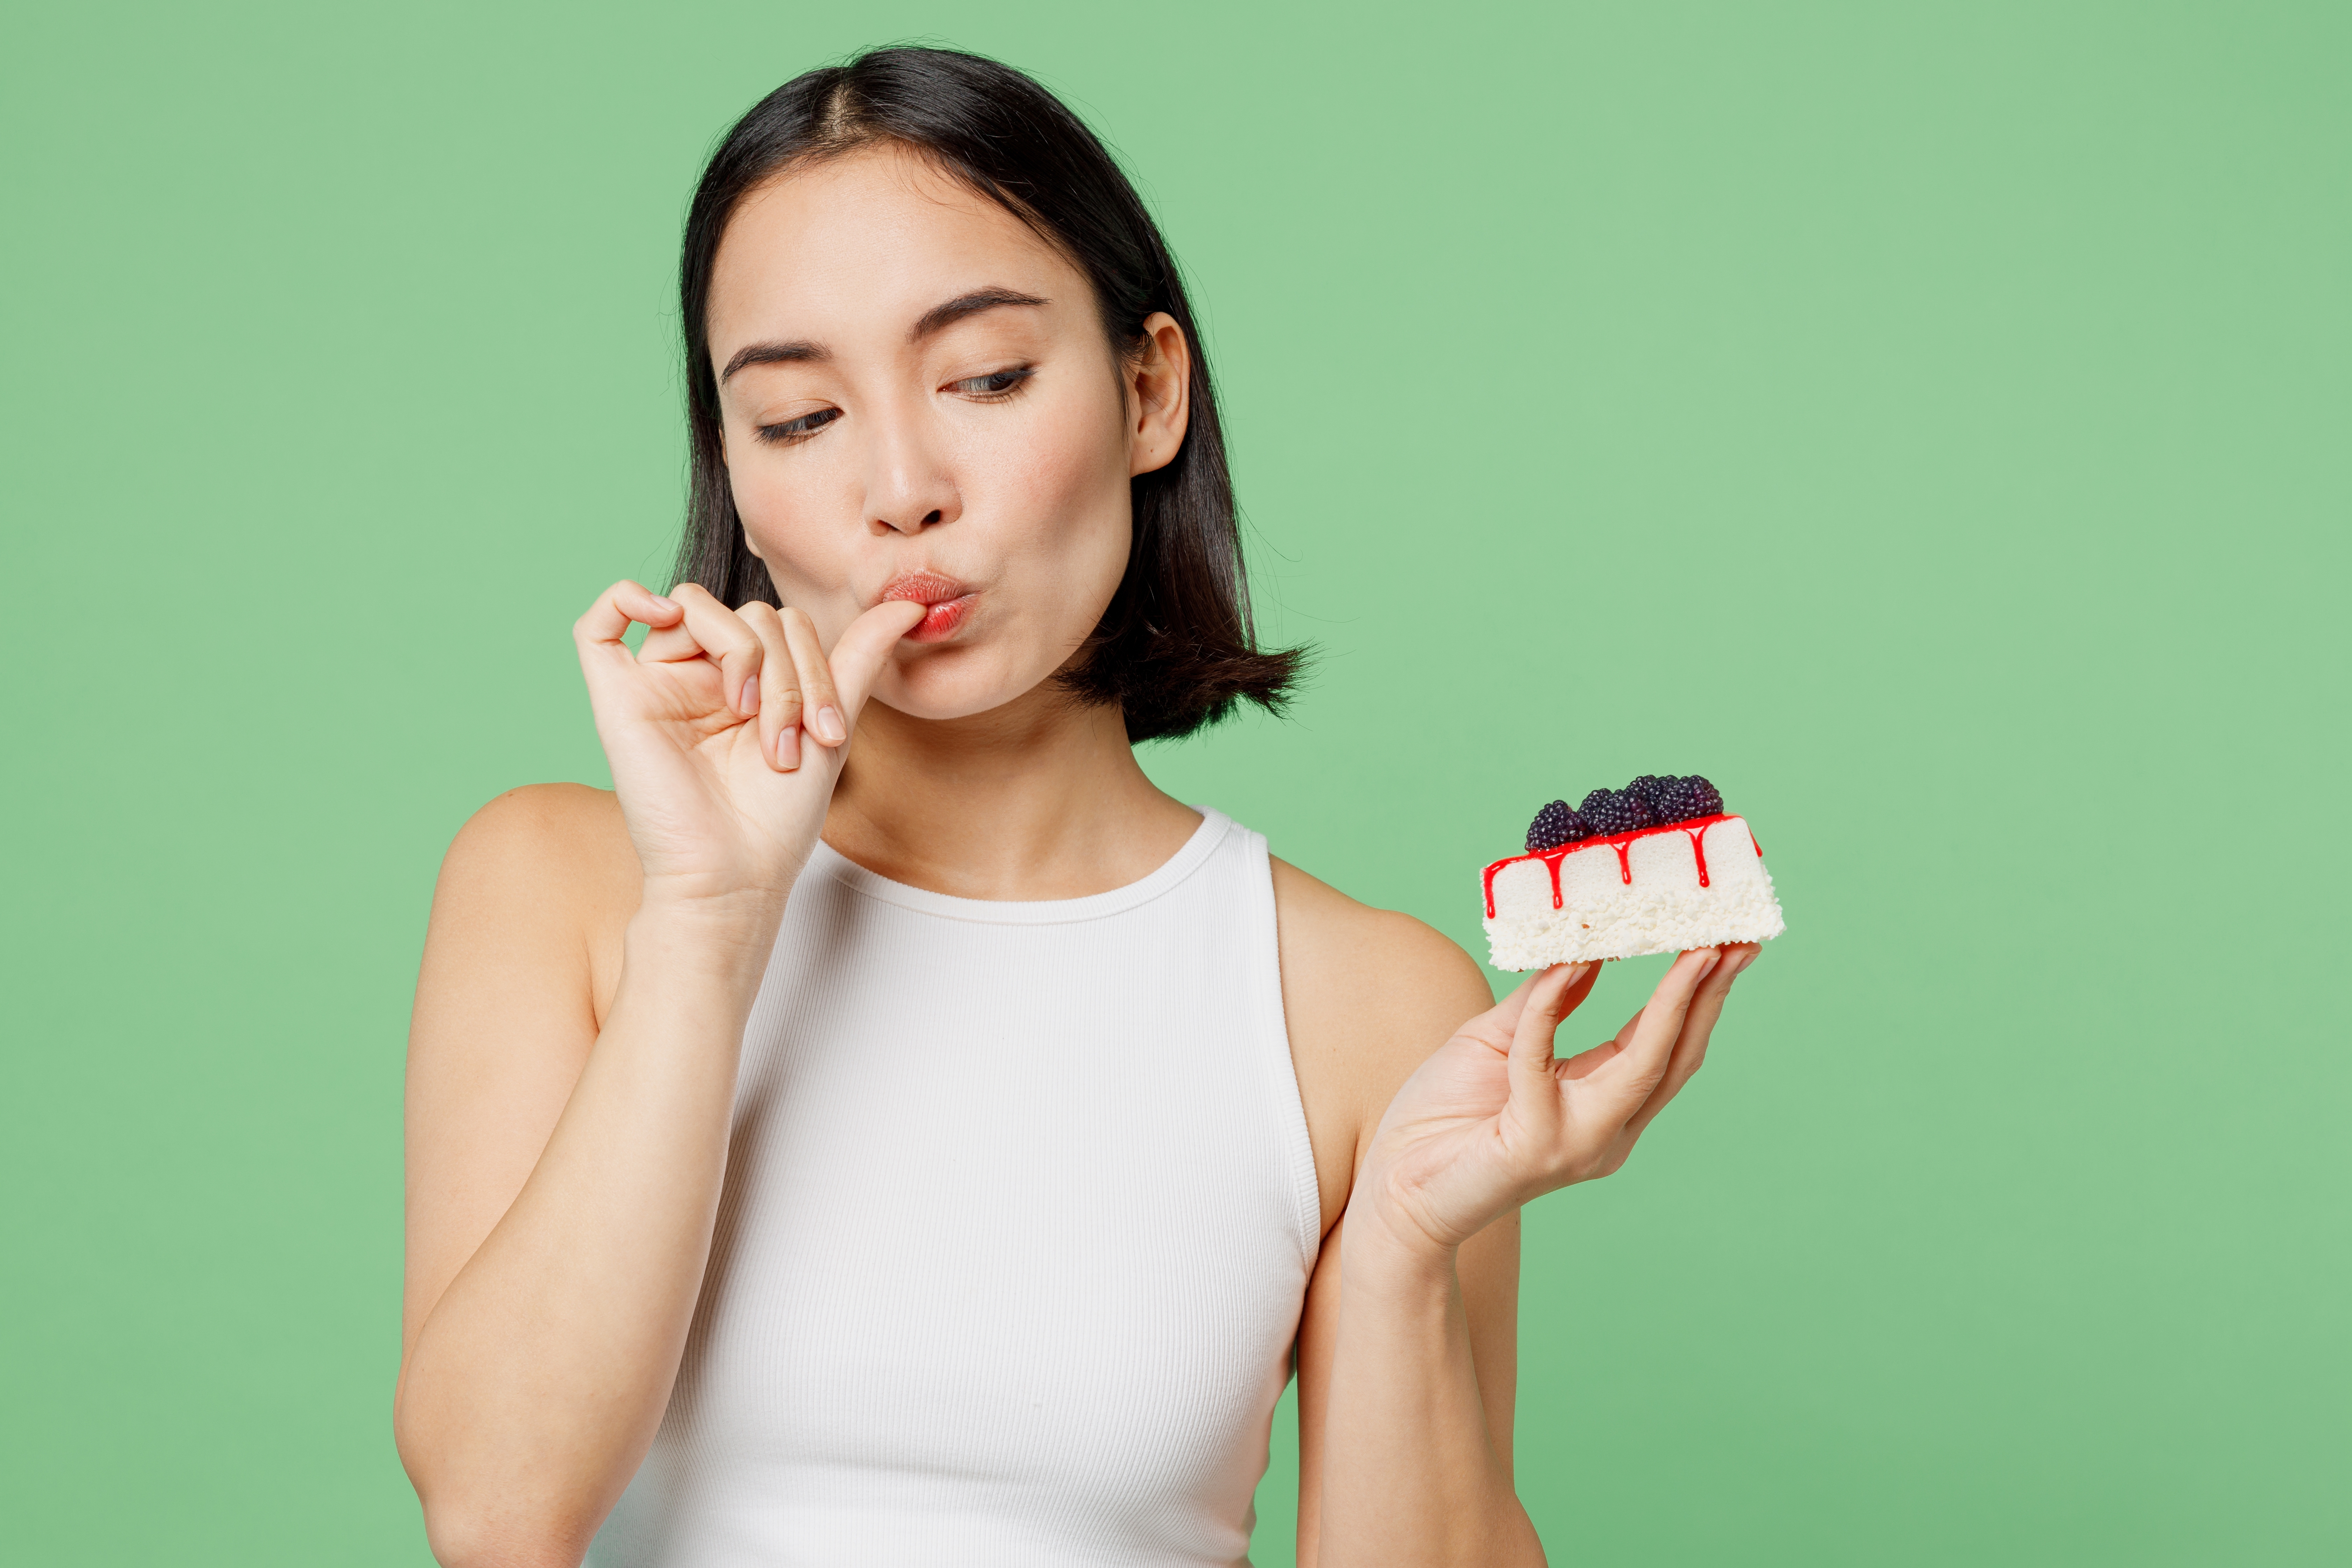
1503,1018
856,660
1535,1088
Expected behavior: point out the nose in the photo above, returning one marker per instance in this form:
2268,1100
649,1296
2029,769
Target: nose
908,486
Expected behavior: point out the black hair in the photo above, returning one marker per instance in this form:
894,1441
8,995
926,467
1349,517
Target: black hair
1177,648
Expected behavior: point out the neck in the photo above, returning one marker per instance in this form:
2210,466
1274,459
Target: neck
1040,798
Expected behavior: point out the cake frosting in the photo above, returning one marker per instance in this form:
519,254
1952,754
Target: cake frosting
1661,887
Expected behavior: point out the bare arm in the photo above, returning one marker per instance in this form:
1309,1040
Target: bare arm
1367,993
553,1271
1416,1453
1488,1277
563,1174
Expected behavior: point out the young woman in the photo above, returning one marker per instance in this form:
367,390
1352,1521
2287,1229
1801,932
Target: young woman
886,1129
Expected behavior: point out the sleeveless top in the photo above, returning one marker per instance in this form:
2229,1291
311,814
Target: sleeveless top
1016,1227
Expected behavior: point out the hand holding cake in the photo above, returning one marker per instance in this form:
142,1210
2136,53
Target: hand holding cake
1496,1118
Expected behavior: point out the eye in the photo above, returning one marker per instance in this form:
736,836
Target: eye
798,429
995,384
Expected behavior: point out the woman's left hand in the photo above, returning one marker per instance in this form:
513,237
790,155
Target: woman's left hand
1493,1119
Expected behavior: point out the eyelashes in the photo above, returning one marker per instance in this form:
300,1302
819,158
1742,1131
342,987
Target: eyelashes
797,430
996,387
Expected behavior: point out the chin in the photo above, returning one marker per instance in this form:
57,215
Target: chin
957,682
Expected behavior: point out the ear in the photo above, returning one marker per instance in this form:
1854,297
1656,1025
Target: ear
1160,380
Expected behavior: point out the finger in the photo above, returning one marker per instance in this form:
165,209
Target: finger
820,710
1690,1049
1707,1006
596,635
1499,1024
858,657
1642,1060
1542,1004
669,645
1581,988
1535,1090
720,636
1581,1064
780,688
608,620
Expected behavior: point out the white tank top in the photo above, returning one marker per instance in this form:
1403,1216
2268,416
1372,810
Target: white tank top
1018,1218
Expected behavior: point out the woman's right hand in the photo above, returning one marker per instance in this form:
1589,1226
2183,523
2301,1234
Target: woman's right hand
726,731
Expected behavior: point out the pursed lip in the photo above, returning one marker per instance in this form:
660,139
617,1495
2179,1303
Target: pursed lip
946,602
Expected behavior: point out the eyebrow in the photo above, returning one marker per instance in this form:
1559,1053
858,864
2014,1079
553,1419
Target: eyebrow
936,320
939,318
800,352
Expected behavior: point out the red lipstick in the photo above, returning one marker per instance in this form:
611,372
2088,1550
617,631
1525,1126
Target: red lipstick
946,602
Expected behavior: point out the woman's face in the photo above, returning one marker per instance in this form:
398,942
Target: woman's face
919,402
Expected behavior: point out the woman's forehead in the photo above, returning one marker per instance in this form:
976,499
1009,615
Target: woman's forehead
866,244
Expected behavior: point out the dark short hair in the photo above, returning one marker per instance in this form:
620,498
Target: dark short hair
1177,648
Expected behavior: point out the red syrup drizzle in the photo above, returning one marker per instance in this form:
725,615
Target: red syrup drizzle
1620,842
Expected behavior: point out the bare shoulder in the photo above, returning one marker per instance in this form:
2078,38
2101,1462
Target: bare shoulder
557,829
547,865
1368,994
1378,955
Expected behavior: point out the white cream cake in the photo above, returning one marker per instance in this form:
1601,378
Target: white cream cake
1662,889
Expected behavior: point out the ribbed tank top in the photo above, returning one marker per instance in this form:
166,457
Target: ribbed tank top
1017,1222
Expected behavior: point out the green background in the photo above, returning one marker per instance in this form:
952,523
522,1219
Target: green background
1929,422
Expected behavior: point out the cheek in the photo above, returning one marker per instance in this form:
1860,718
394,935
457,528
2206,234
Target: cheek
810,563
1071,520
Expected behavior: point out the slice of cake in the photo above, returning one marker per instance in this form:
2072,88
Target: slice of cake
1656,867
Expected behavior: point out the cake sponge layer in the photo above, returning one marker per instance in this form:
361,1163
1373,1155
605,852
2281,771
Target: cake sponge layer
1631,894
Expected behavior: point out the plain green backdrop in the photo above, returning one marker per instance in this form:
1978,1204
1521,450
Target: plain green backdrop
1931,422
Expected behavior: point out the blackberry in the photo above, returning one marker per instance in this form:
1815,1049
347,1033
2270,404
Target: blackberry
1616,811
1646,790
1556,825
1683,799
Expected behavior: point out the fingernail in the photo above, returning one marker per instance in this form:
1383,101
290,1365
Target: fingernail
829,727
664,604
750,700
788,747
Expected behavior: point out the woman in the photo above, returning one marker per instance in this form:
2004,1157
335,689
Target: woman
936,1149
